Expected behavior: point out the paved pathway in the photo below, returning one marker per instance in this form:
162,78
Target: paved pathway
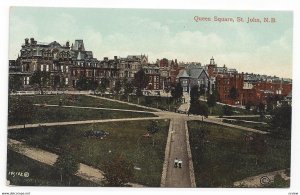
132,104
94,108
178,177
85,172
81,122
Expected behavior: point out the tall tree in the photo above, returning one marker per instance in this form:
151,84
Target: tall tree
118,87
141,80
211,101
67,166
20,111
40,79
233,94
104,83
194,93
118,171
128,87
15,83
152,129
199,108
177,91
281,121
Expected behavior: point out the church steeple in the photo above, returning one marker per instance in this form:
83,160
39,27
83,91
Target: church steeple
212,61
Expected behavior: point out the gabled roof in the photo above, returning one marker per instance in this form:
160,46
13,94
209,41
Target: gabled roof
182,74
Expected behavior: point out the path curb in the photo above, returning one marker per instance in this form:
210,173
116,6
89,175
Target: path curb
167,156
191,167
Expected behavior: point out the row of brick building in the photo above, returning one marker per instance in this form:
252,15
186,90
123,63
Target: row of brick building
70,62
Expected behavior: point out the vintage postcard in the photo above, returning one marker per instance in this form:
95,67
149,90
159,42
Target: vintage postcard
149,98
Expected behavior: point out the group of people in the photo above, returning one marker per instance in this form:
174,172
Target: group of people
177,163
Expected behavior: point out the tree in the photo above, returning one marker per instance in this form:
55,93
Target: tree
128,87
141,80
281,121
199,108
83,83
56,82
67,166
202,90
152,129
104,83
211,101
118,171
20,111
261,108
227,110
40,79
118,87
194,94
233,93
177,91
15,83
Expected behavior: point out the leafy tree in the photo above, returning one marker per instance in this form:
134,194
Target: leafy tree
118,171
199,108
141,80
56,82
94,85
128,87
202,90
67,166
177,91
233,94
15,83
211,101
83,83
194,93
104,83
227,110
281,121
152,129
40,79
20,111
118,87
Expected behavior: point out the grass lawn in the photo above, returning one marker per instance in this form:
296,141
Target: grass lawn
256,119
163,103
124,138
263,127
217,110
77,100
60,114
222,155
39,174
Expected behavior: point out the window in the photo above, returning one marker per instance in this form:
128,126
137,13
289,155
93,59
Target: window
62,68
67,81
47,68
67,68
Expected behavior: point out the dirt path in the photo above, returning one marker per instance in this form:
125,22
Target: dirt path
85,172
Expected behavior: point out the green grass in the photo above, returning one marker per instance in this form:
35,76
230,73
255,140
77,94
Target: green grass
163,103
263,127
124,138
77,100
60,114
225,156
39,174
217,110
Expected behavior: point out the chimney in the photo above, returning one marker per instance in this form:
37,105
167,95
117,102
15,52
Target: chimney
31,41
26,41
115,57
67,44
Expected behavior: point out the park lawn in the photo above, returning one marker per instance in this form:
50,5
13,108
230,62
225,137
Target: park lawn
262,127
225,156
256,119
77,100
61,114
40,174
217,110
163,103
125,138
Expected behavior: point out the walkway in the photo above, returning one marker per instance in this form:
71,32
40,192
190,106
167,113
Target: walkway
132,104
85,172
178,177
94,108
82,122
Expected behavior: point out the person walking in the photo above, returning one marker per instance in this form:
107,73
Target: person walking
175,162
180,163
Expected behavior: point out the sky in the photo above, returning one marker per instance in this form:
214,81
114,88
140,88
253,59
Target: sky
262,48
